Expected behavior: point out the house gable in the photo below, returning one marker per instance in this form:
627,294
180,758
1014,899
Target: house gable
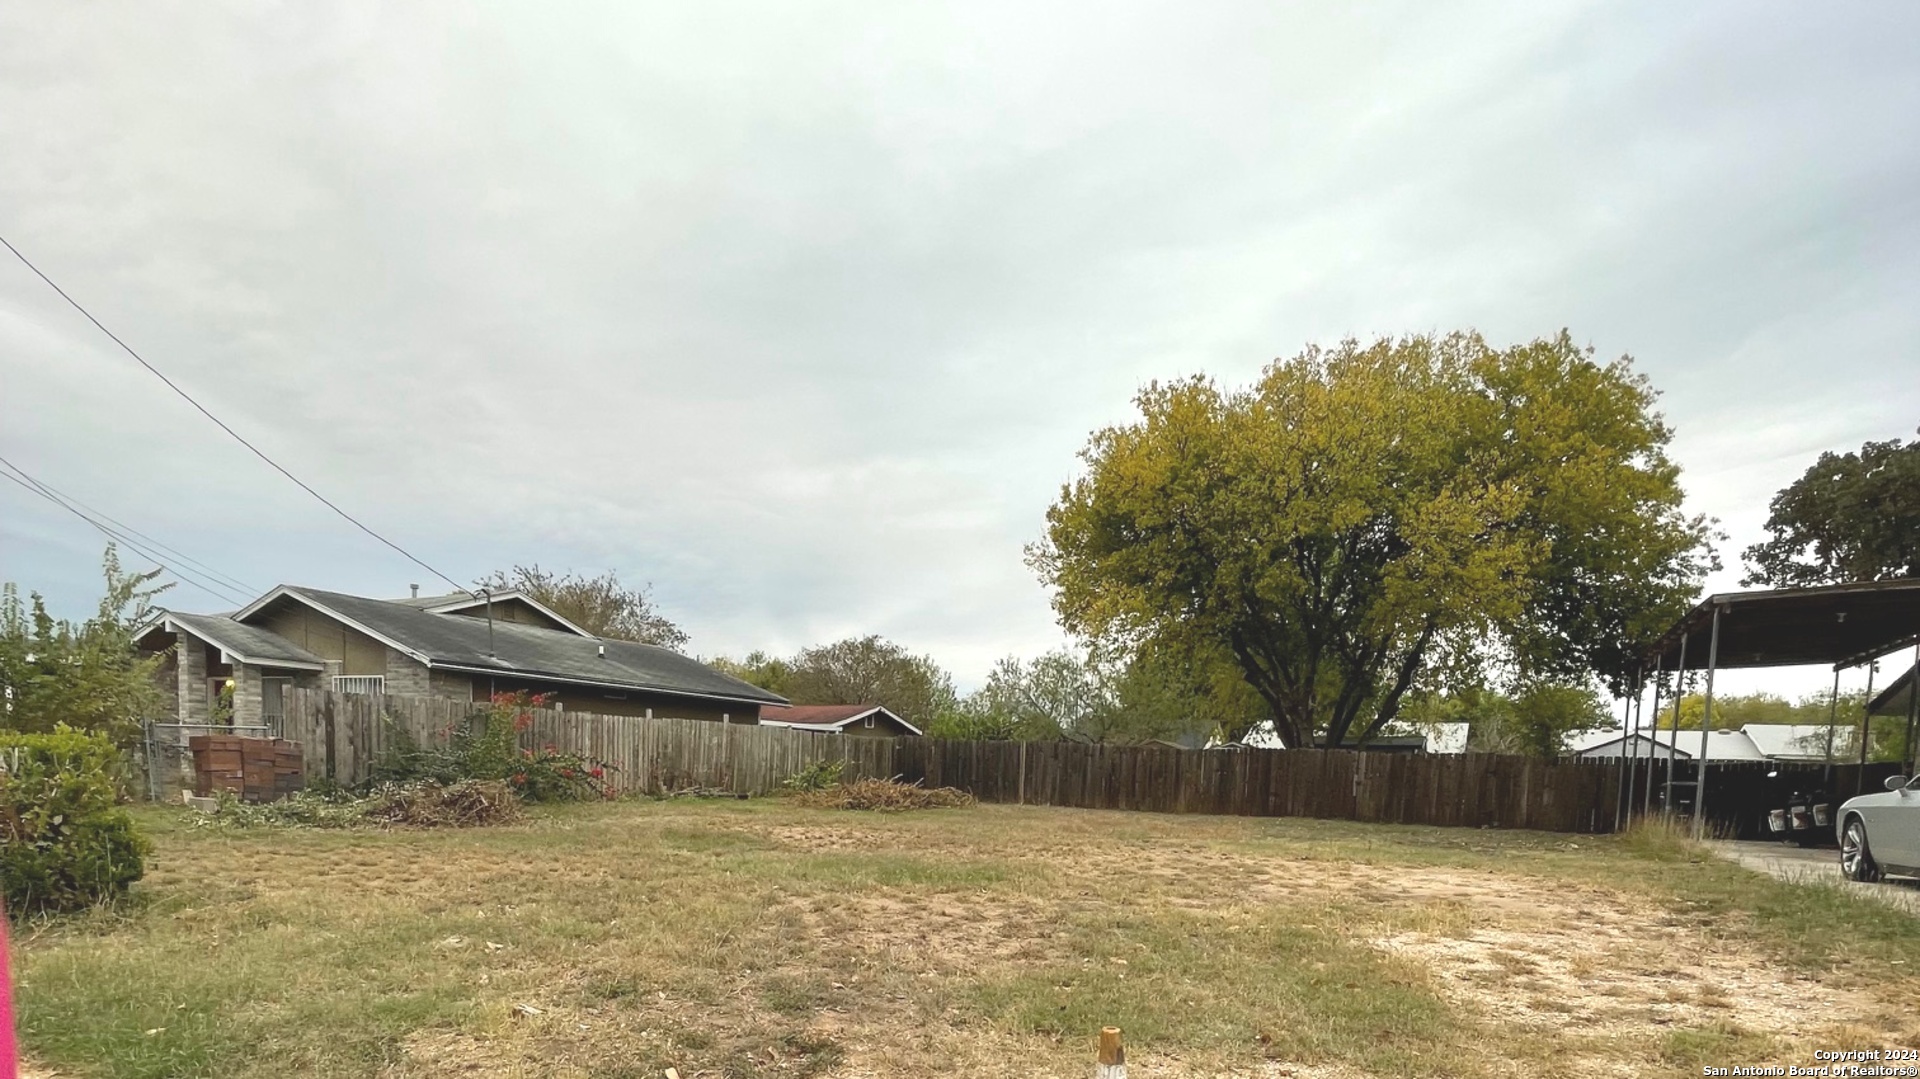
318,631
518,609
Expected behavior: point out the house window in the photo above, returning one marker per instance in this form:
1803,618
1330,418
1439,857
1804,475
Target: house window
869,722
360,683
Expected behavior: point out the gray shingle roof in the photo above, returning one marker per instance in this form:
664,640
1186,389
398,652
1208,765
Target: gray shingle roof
532,652
250,642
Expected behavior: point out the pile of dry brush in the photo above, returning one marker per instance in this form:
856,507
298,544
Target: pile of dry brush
468,803
884,795
423,804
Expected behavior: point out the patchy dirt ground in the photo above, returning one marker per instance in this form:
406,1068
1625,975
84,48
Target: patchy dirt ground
1564,961
741,942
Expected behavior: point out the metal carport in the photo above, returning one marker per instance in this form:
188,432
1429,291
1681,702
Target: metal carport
1842,625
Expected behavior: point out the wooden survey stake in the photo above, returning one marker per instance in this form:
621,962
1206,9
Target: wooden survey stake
1113,1057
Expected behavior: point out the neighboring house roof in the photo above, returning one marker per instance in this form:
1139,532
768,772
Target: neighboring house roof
1722,745
1433,738
825,717
459,643
1800,741
1611,744
239,641
1752,742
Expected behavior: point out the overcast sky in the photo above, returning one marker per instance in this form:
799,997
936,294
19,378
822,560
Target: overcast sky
800,312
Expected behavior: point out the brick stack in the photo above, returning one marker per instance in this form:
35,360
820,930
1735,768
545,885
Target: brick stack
256,769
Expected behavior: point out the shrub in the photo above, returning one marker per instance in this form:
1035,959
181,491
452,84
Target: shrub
884,795
817,776
65,841
487,746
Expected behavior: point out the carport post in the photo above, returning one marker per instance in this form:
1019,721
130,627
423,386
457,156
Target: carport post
1913,708
1866,720
1833,721
1706,726
1626,743
1673,747
1646,800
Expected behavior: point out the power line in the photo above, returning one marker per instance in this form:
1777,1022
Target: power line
188,398
211,573
188,579
211,588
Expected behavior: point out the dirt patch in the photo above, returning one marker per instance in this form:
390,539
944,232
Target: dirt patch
816,840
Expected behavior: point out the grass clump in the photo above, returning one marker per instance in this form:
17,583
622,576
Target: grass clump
885,796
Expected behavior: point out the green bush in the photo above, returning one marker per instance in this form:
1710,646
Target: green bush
818,776
65,841
487,747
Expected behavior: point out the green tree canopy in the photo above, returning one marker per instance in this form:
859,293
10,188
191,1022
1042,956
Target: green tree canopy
759,668
87,675
1535,719
600,605
1850,517
1363,516
871,670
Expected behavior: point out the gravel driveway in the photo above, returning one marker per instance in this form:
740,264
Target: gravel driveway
1803,865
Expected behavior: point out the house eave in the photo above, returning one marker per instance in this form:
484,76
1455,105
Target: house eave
229,654
539,676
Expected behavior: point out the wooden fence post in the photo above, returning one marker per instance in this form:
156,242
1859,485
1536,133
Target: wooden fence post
1113,1057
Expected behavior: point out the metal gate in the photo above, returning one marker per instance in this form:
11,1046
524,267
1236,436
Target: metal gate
169,759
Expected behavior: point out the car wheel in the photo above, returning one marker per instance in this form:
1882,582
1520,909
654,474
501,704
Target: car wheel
1856,858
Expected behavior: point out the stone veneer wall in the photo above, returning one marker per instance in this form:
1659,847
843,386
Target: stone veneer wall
191,667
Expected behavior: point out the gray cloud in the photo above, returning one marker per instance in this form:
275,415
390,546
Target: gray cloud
801,313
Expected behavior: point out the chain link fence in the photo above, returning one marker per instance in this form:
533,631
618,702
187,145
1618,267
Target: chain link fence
167,759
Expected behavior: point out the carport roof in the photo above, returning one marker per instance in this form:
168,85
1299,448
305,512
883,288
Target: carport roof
1838,625
1896,699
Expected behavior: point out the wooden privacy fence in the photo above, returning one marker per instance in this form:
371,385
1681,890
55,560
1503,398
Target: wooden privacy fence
344,735
1472,790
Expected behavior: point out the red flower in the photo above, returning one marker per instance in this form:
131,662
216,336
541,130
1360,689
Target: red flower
520,779
566,773
522,721
596,772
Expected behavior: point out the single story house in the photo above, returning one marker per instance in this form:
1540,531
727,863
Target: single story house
458,646
1399,736
1789,742
870,720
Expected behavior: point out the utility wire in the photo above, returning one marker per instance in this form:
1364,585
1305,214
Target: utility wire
188,398
188,579
211,588
211,573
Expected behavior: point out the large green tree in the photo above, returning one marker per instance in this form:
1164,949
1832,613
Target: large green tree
86,674
1850,517
602,605
871,670
1365,515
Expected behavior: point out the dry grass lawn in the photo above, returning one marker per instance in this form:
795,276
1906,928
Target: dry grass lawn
761,939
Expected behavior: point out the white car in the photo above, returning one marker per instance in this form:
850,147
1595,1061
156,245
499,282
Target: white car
1880,833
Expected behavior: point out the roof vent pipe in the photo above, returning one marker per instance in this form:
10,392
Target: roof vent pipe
416,590
603,651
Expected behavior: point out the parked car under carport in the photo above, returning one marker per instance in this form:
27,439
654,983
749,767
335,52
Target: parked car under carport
1880,833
